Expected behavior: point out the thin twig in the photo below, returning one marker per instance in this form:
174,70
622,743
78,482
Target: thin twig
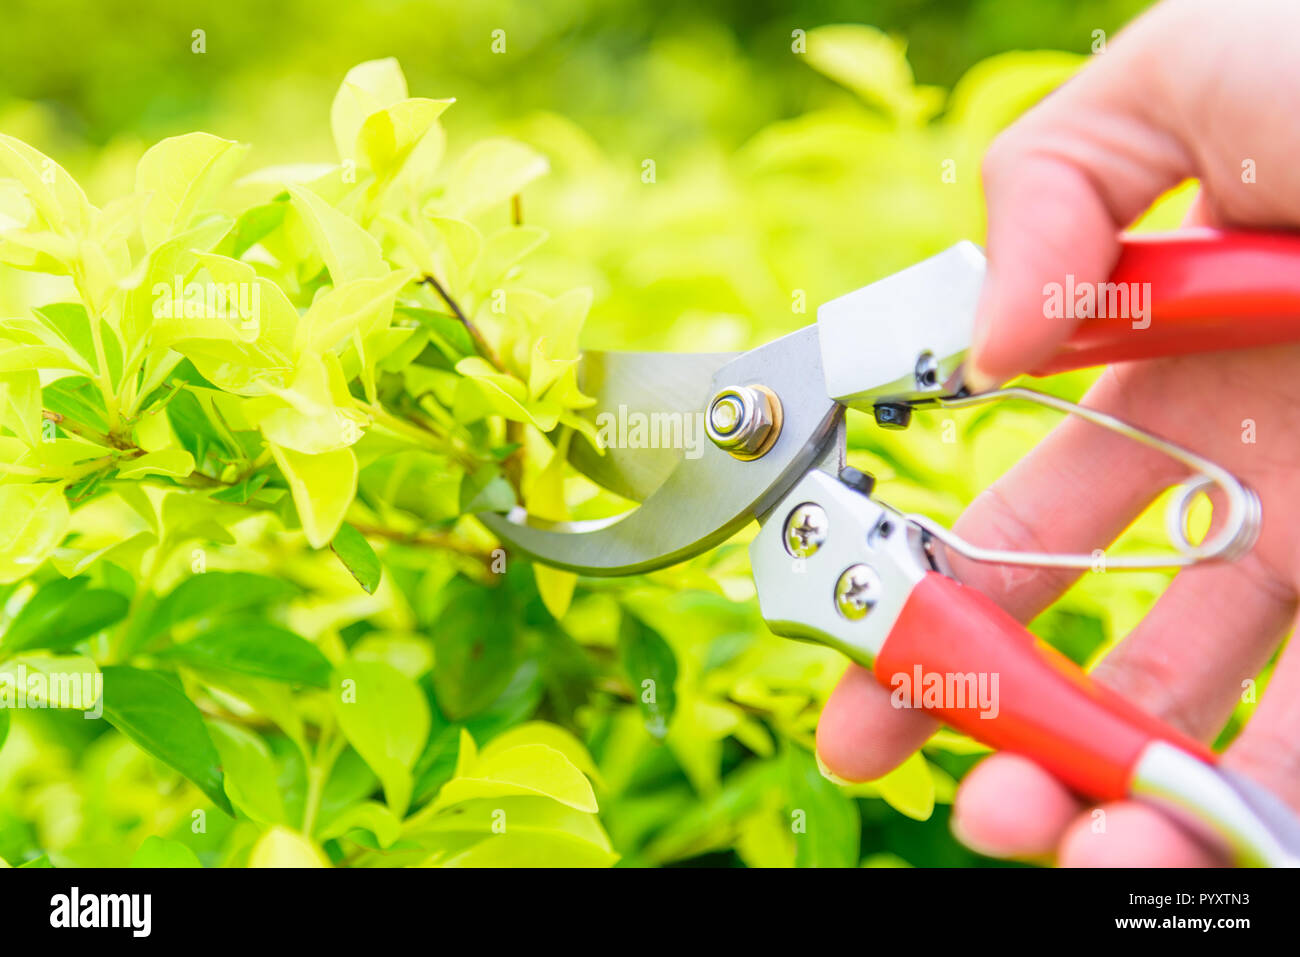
429,539
480,344
76,428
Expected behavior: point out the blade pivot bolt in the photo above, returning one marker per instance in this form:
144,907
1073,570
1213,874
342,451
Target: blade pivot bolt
857,592
744,420
805,530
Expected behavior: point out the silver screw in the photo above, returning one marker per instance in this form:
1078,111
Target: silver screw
927,371
744,420
857,592
805,530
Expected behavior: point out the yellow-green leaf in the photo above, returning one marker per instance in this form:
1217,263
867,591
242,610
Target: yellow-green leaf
385,716
388,135
491,172
348,250
37,518
322,486
179,172
521,770
368,87
281,847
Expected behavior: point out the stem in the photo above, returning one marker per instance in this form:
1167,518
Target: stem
328,749
480,344
429,539
85,432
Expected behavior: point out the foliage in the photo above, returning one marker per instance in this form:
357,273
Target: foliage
246,421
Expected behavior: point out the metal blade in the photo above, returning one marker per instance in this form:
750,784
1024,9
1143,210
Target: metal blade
706,499
649,412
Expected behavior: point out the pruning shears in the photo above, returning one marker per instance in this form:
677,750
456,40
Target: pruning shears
834,564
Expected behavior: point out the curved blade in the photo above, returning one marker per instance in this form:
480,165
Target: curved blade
649,413
704,500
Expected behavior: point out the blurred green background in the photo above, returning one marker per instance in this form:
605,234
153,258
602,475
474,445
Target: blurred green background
781,178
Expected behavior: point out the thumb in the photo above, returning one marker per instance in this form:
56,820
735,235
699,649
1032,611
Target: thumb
1060,185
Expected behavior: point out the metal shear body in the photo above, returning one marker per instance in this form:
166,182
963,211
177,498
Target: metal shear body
833,564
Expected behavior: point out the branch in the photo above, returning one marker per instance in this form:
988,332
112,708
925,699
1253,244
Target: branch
480,344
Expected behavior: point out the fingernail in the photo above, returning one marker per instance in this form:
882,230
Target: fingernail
977,380
828,774
963,837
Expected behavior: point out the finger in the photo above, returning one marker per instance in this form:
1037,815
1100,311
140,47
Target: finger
1128,834
1009,807
861,735
1059,185
1212,629
1268,748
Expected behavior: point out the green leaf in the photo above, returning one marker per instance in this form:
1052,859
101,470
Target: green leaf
281,847
62,613
358,557
368,87
486,490
193,426
516,832
449,332
369,816
389,135
490,172
240,494
874,66
71,323
909,788
651,667
385,716
4,725
161,852
254,224
211,595
52,681
155,714
20,405
474,643
38,517
257,648
555,585
55,194
551,735
179,172
823,820
250,772
348,250
79,399
322,486
174,462
523,769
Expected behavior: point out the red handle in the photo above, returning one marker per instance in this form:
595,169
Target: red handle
1033,701
1209,290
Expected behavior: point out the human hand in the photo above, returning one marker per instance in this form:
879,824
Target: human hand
1192,89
